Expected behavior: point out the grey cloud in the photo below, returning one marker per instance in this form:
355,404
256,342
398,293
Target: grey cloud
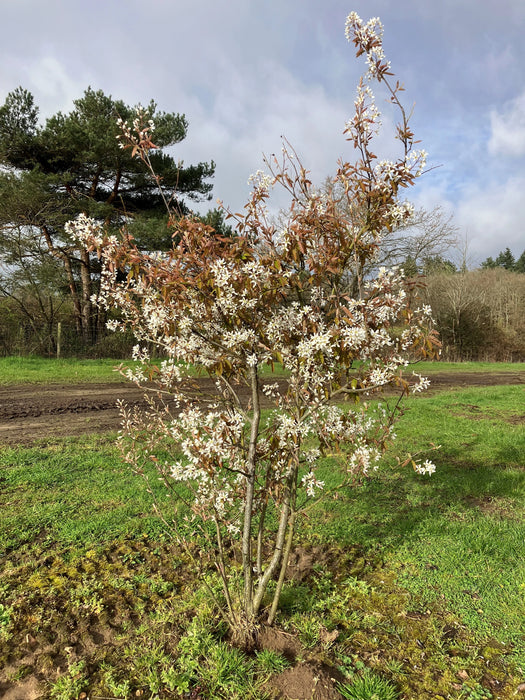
508,129
245,72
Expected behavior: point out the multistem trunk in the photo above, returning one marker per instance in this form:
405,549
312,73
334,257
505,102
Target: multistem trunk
250,492
279,547
286,554
221,566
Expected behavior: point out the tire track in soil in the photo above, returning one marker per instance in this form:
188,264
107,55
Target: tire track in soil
30,412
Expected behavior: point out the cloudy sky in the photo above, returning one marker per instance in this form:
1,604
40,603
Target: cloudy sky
245,73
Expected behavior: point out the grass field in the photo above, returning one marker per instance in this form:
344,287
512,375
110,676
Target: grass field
43,370
418,590
40,370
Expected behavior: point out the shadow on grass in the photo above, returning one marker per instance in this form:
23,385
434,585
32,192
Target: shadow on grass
397,506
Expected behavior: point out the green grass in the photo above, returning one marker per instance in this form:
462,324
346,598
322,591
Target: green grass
40,370
425,577
45,370
78,493
485,367
457,537
368,687
469,545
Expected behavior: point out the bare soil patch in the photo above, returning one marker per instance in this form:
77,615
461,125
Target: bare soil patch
309,681
29,413
516,420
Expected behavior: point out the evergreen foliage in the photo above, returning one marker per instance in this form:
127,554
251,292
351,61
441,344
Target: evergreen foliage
75,163
505,259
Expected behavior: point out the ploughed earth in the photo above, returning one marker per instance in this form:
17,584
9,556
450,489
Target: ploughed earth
31,412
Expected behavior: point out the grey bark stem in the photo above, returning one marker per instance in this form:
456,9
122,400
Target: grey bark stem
277,553
222,569
250,492
286,554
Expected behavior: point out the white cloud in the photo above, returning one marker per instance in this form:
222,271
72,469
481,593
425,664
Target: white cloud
247,121
508,129
245,72
492,217
53,82
50,80
244,127
428,195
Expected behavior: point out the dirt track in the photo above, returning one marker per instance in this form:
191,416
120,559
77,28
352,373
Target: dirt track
41,412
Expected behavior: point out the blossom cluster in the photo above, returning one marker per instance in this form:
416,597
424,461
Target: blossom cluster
369,36
272,295
261,181
234,318
88,231
137,134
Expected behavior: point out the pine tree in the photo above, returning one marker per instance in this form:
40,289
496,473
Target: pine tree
74,163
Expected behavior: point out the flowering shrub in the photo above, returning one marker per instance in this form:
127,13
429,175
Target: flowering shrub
233,306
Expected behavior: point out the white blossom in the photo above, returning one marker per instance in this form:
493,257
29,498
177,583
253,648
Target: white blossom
311,483
426,468
422,384
230,314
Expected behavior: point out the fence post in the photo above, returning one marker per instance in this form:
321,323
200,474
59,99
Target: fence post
59,337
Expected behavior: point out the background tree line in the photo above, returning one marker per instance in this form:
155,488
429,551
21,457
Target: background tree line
479,312
74,163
